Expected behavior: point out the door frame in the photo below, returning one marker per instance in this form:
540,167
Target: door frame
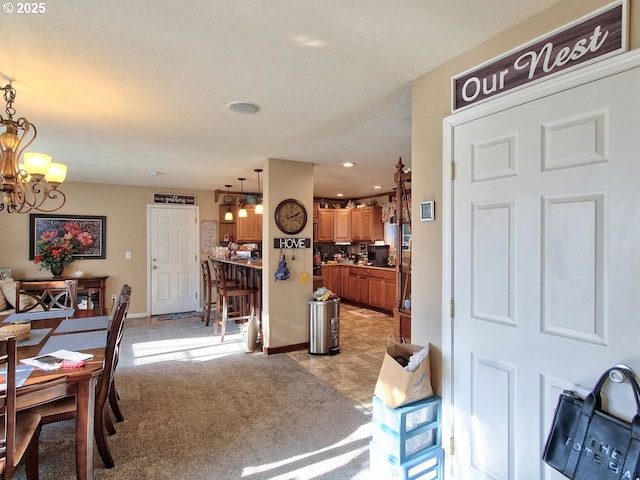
196,209
581,76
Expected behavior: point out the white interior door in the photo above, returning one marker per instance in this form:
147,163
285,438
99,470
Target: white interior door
173,259
546,215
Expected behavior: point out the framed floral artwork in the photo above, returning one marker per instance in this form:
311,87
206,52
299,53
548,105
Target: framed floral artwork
85,234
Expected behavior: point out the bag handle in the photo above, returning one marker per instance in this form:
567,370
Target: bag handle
618,373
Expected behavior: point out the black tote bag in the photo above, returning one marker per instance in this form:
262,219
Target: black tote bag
587,443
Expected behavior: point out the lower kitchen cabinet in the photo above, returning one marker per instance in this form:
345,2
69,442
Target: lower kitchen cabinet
359,284
382,289
331,278
372,287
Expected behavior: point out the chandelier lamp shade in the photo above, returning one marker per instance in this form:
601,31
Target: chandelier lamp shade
31,185
242,212
259,208
228,215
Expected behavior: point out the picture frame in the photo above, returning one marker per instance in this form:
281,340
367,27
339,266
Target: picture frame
428,211
92,225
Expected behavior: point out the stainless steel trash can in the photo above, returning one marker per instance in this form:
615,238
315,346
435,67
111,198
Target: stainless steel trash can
324,327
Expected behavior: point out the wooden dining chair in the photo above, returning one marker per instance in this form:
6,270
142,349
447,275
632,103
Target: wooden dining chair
20,430
114,396
208,286
46,294
65,409
225,293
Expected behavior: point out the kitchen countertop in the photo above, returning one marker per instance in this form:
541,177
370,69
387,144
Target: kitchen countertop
359,265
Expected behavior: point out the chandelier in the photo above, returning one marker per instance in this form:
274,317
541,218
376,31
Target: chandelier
26,186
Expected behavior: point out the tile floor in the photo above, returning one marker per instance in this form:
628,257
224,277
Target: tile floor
354,371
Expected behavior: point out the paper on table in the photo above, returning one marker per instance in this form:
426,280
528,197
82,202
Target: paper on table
52,361
69,355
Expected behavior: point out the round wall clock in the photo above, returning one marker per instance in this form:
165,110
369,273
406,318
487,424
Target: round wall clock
291,216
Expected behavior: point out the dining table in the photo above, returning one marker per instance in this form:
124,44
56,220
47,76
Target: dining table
75,330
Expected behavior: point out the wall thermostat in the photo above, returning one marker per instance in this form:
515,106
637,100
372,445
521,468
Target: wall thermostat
427,211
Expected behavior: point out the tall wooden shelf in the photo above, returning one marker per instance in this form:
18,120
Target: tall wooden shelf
401,315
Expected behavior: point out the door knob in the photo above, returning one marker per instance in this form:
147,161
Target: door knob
155,267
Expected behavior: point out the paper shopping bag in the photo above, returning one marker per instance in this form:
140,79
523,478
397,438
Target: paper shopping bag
397,386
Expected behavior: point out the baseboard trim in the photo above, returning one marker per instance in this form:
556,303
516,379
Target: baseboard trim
285,348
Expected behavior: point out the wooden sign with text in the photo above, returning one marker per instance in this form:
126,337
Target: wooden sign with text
291,242
594,37
174,199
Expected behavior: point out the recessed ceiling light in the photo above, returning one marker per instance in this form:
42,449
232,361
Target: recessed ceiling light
339,194
243,107
377,187
155,173
348,164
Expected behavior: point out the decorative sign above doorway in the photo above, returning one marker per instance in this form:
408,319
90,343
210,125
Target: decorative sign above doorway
594,37
174,199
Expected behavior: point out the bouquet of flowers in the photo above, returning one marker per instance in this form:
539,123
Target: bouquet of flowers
57,247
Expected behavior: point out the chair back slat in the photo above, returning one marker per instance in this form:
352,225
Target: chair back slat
112,351
46,294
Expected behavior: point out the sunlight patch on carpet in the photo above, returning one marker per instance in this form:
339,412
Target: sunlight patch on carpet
355,445
197,349
177,316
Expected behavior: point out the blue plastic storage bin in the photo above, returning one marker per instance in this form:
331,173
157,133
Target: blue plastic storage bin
406,432
426,466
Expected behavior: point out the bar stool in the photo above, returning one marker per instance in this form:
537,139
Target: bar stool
208,291
244,294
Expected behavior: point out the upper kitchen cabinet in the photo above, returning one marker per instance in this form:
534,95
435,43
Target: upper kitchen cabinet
342,225
366,224
226,228
324,225
249,228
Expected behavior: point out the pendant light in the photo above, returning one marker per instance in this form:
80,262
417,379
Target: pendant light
259,207
228,215
242,213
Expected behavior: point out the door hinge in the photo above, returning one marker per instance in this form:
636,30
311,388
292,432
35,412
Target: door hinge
452,308
453,170
451,446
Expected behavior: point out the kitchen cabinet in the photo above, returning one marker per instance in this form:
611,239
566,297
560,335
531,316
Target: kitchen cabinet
382,289
344,282
366,224
359,284
331,278
324,226
372,287
226,228
341,225
249,228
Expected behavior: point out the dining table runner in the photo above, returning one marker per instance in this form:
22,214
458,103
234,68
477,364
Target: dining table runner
22,373
83,324
35,337
75,341
43,315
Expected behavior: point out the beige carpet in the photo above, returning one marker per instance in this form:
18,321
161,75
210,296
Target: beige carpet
198,409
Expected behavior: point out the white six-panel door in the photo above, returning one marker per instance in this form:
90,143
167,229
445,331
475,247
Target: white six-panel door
173,259
545,268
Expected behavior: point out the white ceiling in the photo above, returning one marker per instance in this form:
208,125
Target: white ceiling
119,88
